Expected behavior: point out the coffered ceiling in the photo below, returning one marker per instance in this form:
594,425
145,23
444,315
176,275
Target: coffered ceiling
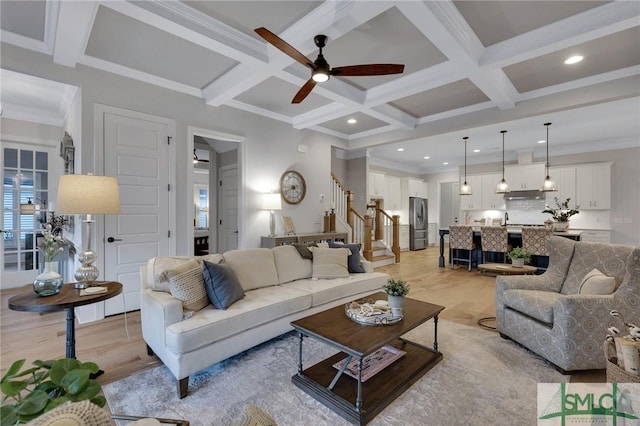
472,68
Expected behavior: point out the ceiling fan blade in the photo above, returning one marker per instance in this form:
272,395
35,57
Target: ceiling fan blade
284,47
370,69
304,91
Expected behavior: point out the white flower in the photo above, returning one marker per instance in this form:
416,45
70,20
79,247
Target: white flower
613,330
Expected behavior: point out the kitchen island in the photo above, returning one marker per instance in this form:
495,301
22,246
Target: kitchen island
514,234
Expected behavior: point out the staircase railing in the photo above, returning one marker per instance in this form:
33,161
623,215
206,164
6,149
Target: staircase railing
388,227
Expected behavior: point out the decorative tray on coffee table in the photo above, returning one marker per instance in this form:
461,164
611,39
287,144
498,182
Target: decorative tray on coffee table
371,313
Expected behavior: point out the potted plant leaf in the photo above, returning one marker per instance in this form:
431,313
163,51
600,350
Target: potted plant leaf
31,392
396,291
519,256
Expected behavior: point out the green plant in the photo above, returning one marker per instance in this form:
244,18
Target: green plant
562,212
519,253
50,243
396,287
29,393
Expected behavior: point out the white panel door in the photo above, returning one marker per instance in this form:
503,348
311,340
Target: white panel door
137,153
228,222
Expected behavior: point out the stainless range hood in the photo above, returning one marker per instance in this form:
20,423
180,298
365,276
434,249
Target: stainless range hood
524,195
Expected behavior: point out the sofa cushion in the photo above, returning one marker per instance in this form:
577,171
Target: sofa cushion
290,265
354,263
255,267
186,284
326,291
610,259
210,325
330,263
221,284
595,282
534,303
157,268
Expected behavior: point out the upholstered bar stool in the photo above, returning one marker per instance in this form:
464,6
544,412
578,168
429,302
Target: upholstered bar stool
534,239
460,238
494,239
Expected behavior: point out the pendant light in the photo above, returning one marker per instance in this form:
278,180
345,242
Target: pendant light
465,189
549,184
502,187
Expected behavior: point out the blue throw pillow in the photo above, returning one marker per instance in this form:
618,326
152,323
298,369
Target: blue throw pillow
353,262
222,284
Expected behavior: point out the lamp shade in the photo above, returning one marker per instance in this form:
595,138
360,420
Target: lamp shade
88,194
271,201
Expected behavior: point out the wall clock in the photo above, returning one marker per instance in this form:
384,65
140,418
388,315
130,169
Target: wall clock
292,187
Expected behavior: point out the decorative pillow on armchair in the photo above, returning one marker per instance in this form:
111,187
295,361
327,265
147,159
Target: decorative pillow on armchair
595,282
330,263
353,262
222,285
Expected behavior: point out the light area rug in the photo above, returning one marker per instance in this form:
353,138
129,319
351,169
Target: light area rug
482,380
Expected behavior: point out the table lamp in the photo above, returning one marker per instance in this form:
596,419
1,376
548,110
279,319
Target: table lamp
87,194
272,201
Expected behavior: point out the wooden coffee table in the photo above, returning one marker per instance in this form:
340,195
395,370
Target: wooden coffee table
506,269
352,399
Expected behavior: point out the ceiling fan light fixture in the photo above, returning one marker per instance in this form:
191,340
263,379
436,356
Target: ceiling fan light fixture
549,184
502,187
465,189
320,76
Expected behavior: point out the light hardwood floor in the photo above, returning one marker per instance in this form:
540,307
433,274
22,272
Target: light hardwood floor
116,343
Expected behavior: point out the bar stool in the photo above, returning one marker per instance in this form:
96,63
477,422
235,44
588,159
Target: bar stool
534,239
494,239
460,238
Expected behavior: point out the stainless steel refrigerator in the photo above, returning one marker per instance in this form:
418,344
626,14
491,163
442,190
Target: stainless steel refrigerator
418,221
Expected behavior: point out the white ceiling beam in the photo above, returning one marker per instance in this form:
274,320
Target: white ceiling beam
75,20
322,115
586,26
444,26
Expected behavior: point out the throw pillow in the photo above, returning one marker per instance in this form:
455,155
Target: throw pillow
186,284
595,282
330,263
254,416
353,262
304,251
221,284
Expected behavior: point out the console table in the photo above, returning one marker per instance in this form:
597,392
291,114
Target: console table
281,240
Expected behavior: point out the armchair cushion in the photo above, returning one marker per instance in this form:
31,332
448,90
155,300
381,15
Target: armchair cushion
595,282
611,259
536,304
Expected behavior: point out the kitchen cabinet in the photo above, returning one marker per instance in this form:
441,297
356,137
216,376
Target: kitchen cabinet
376,185
414,187
593,186
528,177
565,178
473,201
393,193
404,237
491,200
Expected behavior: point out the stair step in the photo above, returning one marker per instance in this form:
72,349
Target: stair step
383,257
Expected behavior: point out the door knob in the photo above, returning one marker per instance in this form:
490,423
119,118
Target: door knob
111,239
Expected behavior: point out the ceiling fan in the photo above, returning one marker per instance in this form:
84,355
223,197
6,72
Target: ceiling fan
321,71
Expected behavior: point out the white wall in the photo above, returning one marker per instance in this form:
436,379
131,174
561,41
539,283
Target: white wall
270,147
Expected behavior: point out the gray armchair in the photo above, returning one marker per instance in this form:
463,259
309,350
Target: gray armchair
548,315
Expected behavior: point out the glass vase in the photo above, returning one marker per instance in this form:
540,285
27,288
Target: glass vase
49,282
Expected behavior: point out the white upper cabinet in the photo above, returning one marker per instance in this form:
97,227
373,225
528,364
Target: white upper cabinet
393,193
565,178
376,185
491,200
528,177
415,187
473,201
593,186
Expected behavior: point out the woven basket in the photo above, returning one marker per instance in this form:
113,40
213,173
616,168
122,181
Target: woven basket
616,374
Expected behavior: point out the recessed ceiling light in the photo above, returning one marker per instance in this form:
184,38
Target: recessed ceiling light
426,158
573,59
445,163
476,150
400,149
352,121
542,141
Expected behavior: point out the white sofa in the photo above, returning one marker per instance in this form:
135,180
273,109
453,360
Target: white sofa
279,288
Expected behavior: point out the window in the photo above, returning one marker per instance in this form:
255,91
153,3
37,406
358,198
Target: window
203,208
